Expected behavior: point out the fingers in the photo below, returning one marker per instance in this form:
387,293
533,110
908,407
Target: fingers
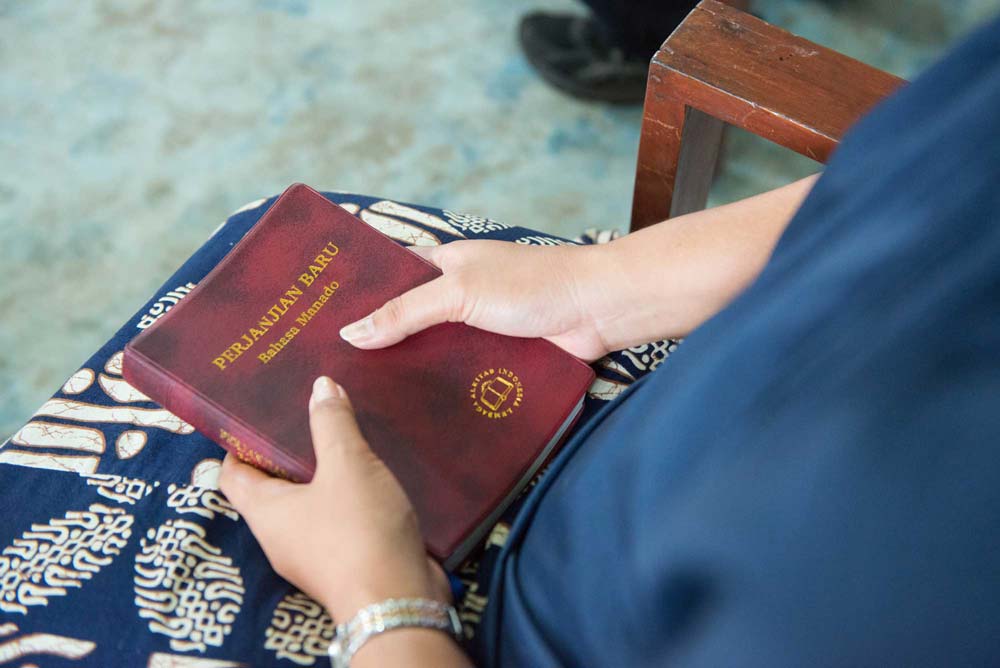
429,253
331,418
241,482
409,313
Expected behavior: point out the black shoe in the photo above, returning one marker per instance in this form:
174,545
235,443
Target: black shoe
570,53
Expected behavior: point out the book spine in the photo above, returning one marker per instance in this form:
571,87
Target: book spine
182,400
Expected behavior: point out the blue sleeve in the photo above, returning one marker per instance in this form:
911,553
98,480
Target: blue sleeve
813,478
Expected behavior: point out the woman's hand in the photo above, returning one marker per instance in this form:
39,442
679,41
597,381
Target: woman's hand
661,282
349,538
498,286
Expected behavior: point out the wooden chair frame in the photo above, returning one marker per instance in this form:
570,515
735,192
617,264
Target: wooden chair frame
723,66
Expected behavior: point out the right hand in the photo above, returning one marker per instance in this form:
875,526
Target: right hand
528,291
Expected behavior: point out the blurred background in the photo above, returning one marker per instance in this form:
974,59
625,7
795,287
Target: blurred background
130,129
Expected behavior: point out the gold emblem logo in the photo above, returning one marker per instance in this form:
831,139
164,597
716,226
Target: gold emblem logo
496,392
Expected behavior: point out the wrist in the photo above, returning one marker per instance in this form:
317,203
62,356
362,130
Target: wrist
344,604
398,619
402,646
590,284
664,281
604,290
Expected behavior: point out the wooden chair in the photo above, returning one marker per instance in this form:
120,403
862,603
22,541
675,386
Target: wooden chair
721,66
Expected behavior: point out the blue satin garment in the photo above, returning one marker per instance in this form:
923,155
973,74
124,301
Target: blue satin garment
813,478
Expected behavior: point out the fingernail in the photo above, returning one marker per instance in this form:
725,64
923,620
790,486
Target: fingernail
359,331
324,389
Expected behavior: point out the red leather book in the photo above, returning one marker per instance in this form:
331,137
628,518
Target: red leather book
463,417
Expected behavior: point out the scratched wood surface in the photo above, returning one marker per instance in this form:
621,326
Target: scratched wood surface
721,66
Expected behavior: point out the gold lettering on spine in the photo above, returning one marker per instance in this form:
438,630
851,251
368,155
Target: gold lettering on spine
250,456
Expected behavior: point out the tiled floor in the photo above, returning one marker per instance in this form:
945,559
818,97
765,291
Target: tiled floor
129,129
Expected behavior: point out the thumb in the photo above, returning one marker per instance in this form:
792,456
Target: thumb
425,305
332,423
429,253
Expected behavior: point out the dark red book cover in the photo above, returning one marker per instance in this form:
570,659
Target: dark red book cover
463,417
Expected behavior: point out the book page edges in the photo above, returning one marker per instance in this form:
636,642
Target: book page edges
455,559
571,414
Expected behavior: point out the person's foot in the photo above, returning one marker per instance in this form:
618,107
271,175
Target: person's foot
570,53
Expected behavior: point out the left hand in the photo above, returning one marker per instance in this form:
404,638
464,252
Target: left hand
548,295
349,537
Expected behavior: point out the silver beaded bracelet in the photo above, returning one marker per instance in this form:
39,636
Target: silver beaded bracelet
393,613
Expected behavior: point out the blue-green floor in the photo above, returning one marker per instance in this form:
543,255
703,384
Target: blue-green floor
129,129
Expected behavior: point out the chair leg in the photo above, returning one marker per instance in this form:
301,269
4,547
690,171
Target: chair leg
659,156
739,70
678,153
698,162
